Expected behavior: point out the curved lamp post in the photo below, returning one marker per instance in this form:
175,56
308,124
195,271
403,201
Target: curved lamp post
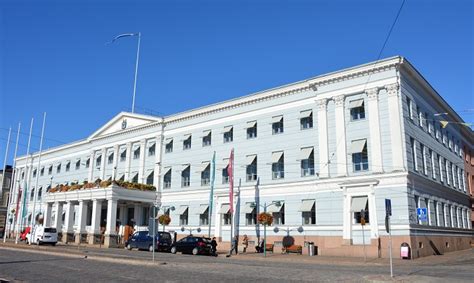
198,229
265,206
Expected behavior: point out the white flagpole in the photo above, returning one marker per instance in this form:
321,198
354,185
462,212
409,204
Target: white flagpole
5,159
37,172
12,182
23,196
136,72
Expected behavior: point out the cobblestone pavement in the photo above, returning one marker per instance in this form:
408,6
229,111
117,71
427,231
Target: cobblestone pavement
70,263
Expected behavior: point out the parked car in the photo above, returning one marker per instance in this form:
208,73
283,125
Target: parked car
142,240
193,245
42,235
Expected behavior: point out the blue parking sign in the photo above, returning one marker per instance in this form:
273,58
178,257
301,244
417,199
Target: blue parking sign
422,213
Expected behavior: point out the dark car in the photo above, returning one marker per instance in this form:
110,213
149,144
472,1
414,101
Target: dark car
142,240
192,245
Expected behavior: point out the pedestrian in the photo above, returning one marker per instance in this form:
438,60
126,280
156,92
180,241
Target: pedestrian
234,246
245,243
214,246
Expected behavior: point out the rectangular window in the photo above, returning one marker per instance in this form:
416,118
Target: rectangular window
88,162
278,213
58,168
185,176
438,134
225,173
360,209
78,164
98,161
228,134
68,166
50,170
151,150
123,155
445,138
423,157
448,172
251,130
306,119
169,146
207,138
42,171
450,143
410,108
420,116
136,153
278,165
357,109
413,154
227,218
433,164
110,159
251,168
453,173
250,214
440,164
34,173
429,123
204,214
205,174
183,216
360,157
308,212
150,178
167,178
277,125
307,161
187,142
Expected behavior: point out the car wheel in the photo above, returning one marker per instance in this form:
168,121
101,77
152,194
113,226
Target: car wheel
129,247
173,250
54,244
38,243
195,251
150,248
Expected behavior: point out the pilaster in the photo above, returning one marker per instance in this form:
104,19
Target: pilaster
341,151
115,162
323,139
395,124
374,129
141,166
103,163
91,167
128,161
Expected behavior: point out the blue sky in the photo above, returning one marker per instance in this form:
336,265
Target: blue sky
53,55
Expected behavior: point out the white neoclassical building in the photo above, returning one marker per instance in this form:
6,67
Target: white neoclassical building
329,150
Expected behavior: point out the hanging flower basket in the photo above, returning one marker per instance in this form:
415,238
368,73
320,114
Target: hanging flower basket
164,219
265,218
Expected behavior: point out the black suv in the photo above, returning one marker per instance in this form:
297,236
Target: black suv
142,240
192,244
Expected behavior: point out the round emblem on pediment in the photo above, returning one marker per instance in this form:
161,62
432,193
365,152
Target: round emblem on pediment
124,124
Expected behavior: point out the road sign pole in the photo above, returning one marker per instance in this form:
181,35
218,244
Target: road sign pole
390,246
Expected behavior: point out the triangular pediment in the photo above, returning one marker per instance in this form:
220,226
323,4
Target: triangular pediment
124,121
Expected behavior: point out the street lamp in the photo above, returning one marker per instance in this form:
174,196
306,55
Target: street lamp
265,206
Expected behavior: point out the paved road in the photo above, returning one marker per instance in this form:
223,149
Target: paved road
106,265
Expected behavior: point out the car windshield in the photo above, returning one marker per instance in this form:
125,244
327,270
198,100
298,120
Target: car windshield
50,230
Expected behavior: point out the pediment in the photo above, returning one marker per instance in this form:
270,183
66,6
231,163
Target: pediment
122,122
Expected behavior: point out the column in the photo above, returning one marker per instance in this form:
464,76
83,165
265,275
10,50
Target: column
141,165
128,160
217,219
347,219
102,164
396,135
47,215
157,169
323,139
341,152
110,231
374,227
91,167
137,212
59,215
115,162
374,129
96,211
81,223
69,222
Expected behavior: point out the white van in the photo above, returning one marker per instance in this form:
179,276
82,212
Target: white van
43,235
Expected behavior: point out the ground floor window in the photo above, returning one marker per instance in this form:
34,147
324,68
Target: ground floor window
360,209
308,212
183,216
227,218
204,215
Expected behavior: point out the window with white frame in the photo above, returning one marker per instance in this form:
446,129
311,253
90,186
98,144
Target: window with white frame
251,168
440,164
169,146
204,214
167,178
307,161
420,117
360,157
306,119
425,164
450,143
438,134
228,134
453,173
58,168
414,154
78,164
277,125
40,193
278,213
207,138
187,142
433,164
42,171
445,138
32,194
357,109
410,108
205,174
34,173
50,171
308,211
360,209
251,129
88,162
152,149
136,153
150,178
123,155
224,210
278,165
110,159
183,215
250,214
98,161
448,172
135,178
186,176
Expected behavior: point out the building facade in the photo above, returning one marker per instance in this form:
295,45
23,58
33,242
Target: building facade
5,180
321,155
468,146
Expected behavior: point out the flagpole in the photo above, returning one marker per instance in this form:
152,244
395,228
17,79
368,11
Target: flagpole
136,72
211,194
5,159
20,215
12,181
37,172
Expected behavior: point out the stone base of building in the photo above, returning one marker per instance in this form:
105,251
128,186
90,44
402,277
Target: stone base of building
80,238
67,237
111,241
377,248
95,239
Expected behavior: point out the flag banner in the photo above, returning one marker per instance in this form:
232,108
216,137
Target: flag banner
18,203
24,210
230,172
213,177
